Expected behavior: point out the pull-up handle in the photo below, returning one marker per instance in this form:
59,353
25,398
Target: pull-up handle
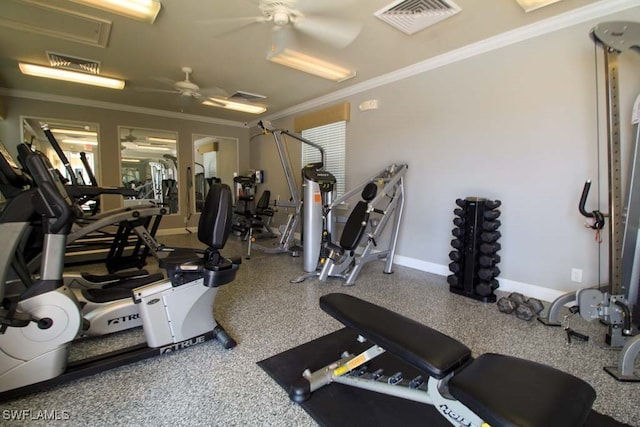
596,215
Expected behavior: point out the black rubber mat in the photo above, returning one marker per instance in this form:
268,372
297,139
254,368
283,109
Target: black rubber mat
340,405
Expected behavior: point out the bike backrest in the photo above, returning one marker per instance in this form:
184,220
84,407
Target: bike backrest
215,219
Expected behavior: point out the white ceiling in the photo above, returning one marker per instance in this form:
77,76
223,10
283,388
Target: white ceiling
185,33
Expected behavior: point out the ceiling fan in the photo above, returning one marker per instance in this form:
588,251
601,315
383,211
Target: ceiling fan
187,89
304,16
129,138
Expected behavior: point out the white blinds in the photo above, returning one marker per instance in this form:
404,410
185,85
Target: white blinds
331,138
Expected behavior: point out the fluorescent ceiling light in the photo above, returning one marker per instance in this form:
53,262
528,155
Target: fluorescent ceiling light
236,106
156,139
75,132
131,160
530,5
70,76
151,147
309,64
142,10
79,142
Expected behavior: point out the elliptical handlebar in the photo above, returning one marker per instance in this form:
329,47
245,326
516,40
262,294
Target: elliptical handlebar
59,152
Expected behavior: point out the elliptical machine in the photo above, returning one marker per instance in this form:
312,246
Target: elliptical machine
37,326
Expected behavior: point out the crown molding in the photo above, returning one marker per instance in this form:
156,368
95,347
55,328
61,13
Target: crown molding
536,29
119,107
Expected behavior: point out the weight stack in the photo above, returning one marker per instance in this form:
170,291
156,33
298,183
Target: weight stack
474,258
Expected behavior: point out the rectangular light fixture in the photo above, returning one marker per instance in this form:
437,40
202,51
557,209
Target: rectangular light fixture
156,139
70,76
236,106
79,142
152,148
131,160
531,5
309,64
74,132
141,10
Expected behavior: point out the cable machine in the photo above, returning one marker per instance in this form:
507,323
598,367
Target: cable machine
318,189
614,306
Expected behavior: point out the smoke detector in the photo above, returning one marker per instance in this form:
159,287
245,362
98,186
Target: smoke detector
411,16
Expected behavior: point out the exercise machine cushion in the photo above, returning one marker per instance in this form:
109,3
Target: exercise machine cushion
418,345
354,227
508,391
215,219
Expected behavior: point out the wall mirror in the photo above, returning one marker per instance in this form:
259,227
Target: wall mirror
149,165
215,160
77,141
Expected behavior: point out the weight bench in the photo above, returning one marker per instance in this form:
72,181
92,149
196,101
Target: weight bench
492,389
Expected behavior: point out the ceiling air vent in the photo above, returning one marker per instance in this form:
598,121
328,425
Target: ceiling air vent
73,63
247,96
411,16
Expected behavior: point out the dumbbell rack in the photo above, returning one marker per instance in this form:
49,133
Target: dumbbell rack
474,258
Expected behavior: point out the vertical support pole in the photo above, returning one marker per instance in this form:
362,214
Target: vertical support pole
616,226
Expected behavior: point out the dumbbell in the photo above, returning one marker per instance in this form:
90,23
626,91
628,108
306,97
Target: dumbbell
457,243
455,256
491,215
492,204
487,248
462,203
488,273
485,289
455,267
524,308
458,232
490,225
490,236
487,260
459,212
458,222
453,280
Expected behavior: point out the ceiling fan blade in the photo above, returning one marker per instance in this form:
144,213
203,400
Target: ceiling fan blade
213,91
164,80
223,26
336,32
149,89
315,6
215,102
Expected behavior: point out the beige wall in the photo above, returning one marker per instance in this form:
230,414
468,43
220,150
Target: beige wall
517,124
109,147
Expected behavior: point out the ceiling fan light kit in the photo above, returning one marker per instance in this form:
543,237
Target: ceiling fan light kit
309,64
141,10
70,76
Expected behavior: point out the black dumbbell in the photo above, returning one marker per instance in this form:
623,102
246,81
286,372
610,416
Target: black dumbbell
489,248
457,243
460,202
536,304
491,215
459,212
492,204
483,289
453,280
457,232
455,267
488,260
455,256
491,225
490,236
458,222
506,305
488,273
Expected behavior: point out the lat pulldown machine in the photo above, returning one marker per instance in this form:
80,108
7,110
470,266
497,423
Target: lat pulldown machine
313,176
614,306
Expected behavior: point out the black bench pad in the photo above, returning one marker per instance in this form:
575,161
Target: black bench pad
427,349
508,391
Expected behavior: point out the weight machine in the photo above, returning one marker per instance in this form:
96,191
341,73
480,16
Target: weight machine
383,196
316,183
614,306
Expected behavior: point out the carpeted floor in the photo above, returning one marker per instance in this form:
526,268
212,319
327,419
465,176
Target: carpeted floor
207,385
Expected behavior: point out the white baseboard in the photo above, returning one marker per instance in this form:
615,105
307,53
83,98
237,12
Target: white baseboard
506,285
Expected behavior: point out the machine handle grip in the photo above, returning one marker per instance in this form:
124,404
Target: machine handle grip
583,200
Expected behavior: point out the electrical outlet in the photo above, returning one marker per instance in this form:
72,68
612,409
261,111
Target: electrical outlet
576,275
